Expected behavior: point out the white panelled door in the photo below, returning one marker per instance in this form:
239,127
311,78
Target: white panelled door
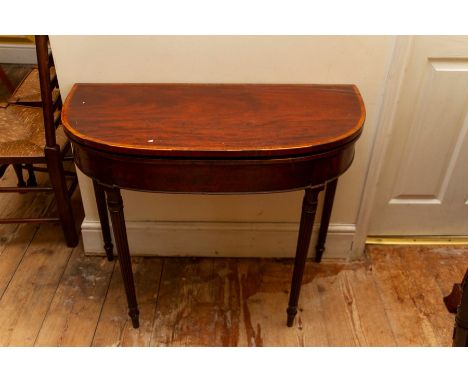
423,186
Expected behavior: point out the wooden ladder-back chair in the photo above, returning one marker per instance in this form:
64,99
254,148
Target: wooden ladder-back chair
28,93
31,134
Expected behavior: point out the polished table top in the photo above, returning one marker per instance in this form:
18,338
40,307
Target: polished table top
213,120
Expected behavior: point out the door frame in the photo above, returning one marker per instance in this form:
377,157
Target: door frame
393,83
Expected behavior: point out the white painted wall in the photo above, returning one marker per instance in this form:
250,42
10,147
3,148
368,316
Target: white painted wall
250,59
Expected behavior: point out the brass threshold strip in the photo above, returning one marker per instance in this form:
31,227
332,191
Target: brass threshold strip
417,240
20,39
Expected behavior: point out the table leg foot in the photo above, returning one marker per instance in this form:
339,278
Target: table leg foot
325,220
319,254
309,207
135,316
291,311
109,249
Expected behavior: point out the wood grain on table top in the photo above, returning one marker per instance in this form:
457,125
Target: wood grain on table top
213,120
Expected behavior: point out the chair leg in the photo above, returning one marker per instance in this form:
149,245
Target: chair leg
105,228
4,78
64,207
32,182
19,175
3,168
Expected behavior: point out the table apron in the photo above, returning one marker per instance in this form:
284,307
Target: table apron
212,175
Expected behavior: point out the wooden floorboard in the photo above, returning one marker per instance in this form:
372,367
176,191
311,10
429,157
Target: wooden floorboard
15,238
264,287
341,328
364,311
187,310
30,291
76,306
114,328
11,256
426,294
51,295
25,302
447,264
409,325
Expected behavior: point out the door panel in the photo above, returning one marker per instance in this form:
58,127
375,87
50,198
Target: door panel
422,188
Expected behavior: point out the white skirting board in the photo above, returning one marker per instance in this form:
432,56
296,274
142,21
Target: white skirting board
220,239
18,54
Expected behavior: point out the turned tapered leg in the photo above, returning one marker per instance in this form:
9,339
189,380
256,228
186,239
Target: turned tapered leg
325,220
460,332
115,205
104,219
309,207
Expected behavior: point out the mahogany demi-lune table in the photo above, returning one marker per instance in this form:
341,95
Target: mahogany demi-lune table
213,139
